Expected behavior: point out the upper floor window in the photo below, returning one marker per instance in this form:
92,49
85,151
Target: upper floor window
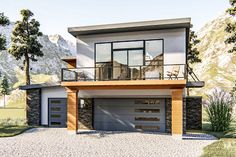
154,52
129,59
140,50
103,52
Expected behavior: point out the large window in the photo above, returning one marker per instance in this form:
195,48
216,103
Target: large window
129,59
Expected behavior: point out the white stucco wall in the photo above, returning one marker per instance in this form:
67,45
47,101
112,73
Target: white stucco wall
51,92
174,44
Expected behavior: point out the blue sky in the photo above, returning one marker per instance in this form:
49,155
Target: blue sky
56,15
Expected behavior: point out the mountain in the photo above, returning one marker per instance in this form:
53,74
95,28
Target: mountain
46,69
218,67
54,47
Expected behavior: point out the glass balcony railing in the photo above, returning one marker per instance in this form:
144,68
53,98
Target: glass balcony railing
124,72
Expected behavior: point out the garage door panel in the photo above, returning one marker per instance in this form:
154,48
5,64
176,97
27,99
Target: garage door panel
115,126
124,101
131,118
125,105
129,114
125,112
100,109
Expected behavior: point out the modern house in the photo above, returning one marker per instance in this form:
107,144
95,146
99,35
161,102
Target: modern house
136,82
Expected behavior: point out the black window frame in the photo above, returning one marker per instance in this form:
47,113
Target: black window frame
137,48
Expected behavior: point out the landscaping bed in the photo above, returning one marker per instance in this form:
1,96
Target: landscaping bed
9,131
225,146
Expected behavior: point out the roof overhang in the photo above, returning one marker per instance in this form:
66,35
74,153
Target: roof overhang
68,58
131,27
39,86
195,84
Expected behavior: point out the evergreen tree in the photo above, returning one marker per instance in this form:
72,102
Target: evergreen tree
3,22
4,88
231,30
231,26
193,53
233,91
24,41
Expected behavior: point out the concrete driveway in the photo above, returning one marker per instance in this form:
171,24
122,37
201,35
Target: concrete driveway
53,142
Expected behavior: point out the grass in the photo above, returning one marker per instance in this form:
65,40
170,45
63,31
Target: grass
12,113
224,147
9,131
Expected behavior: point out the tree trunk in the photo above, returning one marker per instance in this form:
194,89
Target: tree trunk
4,101
26,68
187,91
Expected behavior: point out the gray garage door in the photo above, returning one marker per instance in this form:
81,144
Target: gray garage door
129,114
57,112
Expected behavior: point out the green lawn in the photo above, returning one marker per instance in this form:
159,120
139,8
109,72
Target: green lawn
12,113
225,146
8,131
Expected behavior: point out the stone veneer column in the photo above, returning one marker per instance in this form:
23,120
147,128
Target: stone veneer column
33,108
72,110
194,112
86,114
168,115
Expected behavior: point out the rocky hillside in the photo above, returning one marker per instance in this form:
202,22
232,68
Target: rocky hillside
54,47
47,69
218,67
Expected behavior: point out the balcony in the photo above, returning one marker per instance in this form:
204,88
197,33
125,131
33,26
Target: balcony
123,72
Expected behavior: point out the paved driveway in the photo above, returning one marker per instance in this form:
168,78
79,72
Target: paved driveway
54,142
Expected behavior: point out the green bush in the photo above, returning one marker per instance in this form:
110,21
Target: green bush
219,107
12,122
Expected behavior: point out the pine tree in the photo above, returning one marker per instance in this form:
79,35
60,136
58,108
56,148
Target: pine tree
3,22
24,41
233,91
231,26
231,30
4,88
193,53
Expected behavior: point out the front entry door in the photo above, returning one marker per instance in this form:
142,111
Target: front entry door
57,112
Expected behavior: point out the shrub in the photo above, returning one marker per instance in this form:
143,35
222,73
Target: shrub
219,107
12,122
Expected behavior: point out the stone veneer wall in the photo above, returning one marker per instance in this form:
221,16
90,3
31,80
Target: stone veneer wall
86,114
168,115
194,112
33,101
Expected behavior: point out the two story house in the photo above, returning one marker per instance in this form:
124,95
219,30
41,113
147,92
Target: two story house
136,80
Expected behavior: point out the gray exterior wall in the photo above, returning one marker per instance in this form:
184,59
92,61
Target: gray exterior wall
174,45
33,111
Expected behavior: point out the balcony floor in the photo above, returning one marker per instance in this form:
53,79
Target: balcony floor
134,84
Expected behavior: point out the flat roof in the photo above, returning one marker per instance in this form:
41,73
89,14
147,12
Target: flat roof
131,26
68,58
38,86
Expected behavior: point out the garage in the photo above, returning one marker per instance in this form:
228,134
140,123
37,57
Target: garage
129,114
57,112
